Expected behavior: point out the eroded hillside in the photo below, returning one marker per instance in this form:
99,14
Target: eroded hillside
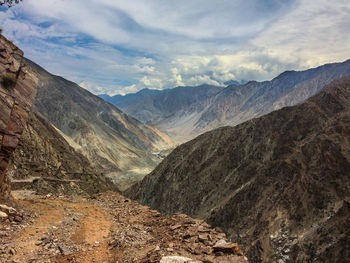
116,144
44,162
278,184
52,214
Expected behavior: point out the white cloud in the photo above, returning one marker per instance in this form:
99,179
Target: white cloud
124,46
146,61
314,33
198,79
202,19
91,87
124,90
152,83
144,68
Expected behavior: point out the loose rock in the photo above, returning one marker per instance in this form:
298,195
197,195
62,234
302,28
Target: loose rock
3,215
227,247
175,259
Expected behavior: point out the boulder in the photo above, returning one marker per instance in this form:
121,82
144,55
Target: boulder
3,215
7,209
227,247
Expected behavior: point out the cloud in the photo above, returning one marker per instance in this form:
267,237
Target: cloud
117,47
154,83
314,33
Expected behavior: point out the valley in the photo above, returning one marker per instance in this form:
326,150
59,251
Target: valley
278,184
116,144
57,206
203,108
192,164
45,162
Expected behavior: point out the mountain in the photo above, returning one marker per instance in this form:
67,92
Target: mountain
236,82
131,98
152,106
238,103
116,144
46,163
66,225
141,104
278,184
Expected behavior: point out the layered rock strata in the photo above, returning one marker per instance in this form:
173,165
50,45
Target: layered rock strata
17,92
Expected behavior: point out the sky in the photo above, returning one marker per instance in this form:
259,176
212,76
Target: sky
119,47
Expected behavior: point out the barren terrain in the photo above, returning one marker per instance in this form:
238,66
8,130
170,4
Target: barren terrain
105,228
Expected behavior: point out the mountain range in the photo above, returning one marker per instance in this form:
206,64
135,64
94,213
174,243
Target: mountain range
152,106
215,106
278,184
116,144
277,181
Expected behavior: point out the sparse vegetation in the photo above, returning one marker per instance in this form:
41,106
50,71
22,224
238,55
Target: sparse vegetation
9,81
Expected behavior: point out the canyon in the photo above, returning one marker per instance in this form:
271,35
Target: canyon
272,187
278,184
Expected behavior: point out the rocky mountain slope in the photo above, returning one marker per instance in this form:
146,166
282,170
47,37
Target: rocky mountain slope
152,106
44,162
108,228
239,103
17,92
116,144
63,219
144,99
278,184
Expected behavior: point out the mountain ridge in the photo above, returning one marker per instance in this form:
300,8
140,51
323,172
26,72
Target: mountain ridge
116,144
276,184
238,103
151,106
44,162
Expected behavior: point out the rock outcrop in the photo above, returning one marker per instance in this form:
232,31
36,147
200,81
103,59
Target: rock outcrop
278,185
18,86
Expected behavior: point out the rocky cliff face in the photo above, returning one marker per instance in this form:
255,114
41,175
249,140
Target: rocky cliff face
239,103
44,162
116,144
17,91
278,185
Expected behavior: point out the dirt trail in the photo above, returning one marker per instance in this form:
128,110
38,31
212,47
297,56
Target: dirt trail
104,228
78,228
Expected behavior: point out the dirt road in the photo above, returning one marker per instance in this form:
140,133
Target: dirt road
104,228
59,229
